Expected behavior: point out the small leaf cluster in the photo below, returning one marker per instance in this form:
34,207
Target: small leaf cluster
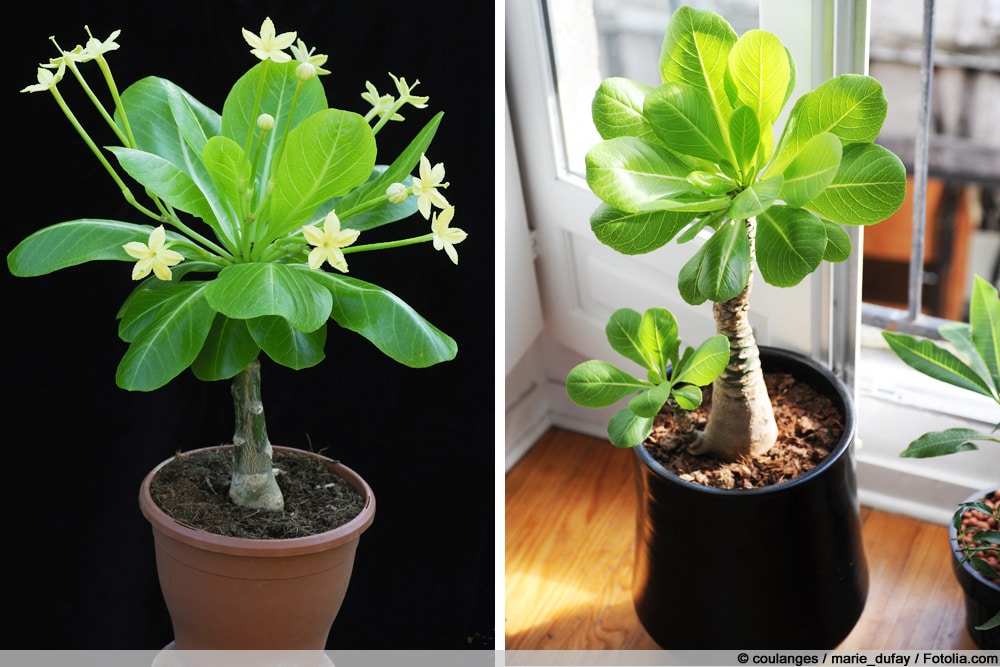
697,155
235,193
652,341
974,366
976,543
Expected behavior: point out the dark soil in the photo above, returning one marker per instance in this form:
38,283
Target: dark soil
809,426
974,521
194,490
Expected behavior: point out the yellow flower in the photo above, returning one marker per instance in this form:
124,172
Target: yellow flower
405,93
381,104
268,45
154,256
328,242
445,237
47,79
426,187
309,65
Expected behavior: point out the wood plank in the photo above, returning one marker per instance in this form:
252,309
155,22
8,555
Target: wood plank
570,508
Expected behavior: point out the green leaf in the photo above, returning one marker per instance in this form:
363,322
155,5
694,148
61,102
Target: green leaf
658,339
720,269
992,623
695,51
838,243
704,364
228,168
75,242
688,397
851,106
285,344
627,429
171,342
812,170
228,349
744,137
755,199
617,109
941,443
273,88
598,384
984,319
398,172
759,72
869,186
791,243
935,361
636,233
172,184
959,334
386,320
622,332
683,118
247,291
628,173
324,157
649,403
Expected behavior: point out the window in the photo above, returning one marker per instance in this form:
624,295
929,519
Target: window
556,53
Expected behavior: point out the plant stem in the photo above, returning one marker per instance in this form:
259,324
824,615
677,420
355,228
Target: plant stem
742,420
253,483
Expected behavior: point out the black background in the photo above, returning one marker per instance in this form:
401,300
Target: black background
78,568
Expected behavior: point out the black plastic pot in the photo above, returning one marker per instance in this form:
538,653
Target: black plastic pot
982,596
781,567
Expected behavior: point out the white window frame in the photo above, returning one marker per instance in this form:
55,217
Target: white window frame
895,404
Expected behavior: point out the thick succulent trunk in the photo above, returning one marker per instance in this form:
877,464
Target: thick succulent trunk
253,484
741,421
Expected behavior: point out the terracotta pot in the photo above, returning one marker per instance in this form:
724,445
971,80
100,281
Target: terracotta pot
982,596
235,593
781,567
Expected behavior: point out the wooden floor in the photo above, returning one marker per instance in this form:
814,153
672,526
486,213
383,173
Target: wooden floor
569,528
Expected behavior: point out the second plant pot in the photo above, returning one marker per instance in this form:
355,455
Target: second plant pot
982,596
781,567
236,593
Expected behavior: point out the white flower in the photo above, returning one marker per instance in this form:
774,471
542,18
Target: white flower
47,79
445,237
269,45
426,187
381,104
405,93
154,256
309,65
96,47
328,242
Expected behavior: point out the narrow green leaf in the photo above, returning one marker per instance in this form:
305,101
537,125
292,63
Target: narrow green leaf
627,429
386,320
935,361
285,344
324,157
598,384
759,69
744,137
173,185
228,167
170,343
984,319
247,291
228,349
628,173
812,170
791,243
992,623
617,109
636,233
959,334
75,242
941,443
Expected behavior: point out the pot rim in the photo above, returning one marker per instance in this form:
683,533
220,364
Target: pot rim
843,445
201,539
957,555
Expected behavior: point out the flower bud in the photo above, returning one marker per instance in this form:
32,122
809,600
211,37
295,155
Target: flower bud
305,71
397,193
265,122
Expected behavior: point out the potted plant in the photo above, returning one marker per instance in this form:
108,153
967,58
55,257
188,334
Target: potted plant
780,564
245,210
970,361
